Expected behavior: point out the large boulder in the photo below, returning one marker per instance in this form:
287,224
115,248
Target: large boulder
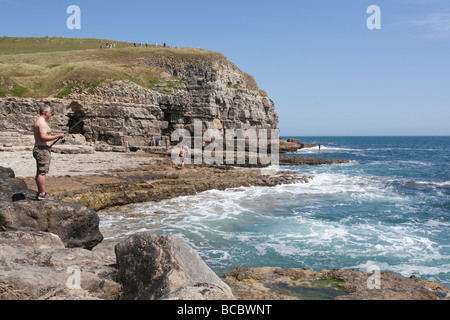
12,188
75,224
153,267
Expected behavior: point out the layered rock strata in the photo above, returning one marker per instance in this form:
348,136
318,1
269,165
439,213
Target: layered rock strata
211,90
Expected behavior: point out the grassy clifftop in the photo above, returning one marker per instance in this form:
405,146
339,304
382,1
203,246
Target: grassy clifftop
43,67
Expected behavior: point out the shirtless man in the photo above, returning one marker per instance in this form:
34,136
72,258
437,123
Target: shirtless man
41,151
181,154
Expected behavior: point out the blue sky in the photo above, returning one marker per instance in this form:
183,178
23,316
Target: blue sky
327,73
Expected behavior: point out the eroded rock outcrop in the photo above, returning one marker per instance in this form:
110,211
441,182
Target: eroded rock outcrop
308,161
293,145
75,224
153,267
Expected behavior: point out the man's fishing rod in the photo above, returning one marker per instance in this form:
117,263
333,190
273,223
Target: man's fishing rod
70,129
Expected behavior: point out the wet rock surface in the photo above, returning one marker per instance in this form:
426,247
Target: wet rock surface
272,283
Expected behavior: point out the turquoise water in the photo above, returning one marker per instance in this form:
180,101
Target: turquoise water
389,207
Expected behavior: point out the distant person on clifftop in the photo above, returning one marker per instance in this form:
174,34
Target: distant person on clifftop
41,150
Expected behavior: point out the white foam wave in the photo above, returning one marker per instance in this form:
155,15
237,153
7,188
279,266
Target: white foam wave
406,270
411,182
434,183
288,221
396,163
325,149
356,187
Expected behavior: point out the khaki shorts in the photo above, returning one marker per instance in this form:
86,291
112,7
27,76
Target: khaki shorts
42,154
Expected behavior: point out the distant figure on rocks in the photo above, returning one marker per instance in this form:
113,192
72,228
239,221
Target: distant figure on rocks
167,144
186,151
319,147
41,150
181,154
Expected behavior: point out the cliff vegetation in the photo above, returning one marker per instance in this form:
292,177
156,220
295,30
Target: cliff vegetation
53,67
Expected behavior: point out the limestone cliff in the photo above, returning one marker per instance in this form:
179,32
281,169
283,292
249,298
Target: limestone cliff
208,88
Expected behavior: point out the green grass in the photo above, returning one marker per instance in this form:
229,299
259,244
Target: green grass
3,93
67,90
19,91
43,67
235,86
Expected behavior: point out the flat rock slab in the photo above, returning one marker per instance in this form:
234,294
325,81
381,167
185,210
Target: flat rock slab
303,284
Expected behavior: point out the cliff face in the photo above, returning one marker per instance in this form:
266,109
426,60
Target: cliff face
213,91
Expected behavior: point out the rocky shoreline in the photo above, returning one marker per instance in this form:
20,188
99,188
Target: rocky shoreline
156,180
272,283
101,180
46,247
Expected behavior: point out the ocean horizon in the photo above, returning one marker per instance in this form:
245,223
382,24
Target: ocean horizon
389,208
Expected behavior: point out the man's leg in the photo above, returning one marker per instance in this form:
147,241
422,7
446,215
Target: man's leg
40,183
43,159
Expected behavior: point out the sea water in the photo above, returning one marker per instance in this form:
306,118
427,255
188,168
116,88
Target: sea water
389,207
